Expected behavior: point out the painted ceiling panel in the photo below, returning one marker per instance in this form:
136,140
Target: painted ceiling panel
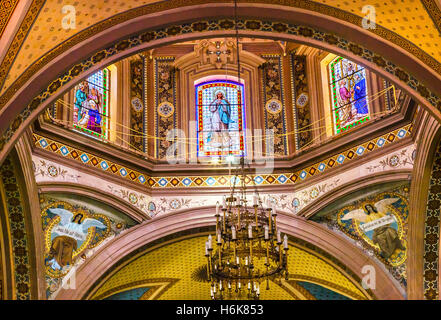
184,261
47,31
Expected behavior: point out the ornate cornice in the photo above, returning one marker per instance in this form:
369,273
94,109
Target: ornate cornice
191,181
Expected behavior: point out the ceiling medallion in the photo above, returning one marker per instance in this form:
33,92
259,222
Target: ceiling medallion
136,104
302,100
166,109
273,106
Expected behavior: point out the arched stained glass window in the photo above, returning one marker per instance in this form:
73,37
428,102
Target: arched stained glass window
349,94
220,112
91,105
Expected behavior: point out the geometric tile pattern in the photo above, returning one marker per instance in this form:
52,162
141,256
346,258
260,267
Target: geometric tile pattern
134,176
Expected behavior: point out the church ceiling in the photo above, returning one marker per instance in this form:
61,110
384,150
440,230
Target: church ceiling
411,20
176,271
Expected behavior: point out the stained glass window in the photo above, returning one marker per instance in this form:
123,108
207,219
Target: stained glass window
349,94
91,105
220,114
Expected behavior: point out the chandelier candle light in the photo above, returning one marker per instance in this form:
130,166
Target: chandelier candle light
250,249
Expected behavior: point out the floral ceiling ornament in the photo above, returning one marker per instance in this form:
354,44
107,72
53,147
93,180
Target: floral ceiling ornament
217,53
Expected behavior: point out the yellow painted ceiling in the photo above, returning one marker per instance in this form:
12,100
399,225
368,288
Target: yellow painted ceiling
176,263
407,18
47,31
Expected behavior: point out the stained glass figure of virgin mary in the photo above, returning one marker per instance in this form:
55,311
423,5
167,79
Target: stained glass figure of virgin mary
220,113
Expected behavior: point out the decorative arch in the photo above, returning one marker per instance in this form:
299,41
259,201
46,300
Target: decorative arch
22,268
398,69
351,259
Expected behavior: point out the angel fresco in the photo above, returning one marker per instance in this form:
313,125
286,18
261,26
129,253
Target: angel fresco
378,223
68,235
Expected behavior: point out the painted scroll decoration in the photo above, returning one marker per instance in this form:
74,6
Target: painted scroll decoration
302,110
165,104
274,104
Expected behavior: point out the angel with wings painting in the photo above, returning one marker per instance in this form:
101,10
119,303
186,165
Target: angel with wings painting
68,235
384,235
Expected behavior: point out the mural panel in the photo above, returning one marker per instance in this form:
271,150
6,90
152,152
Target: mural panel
71,232
220,109
14,200
165,103
378,224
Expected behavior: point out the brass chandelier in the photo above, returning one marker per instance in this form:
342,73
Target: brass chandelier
249,248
